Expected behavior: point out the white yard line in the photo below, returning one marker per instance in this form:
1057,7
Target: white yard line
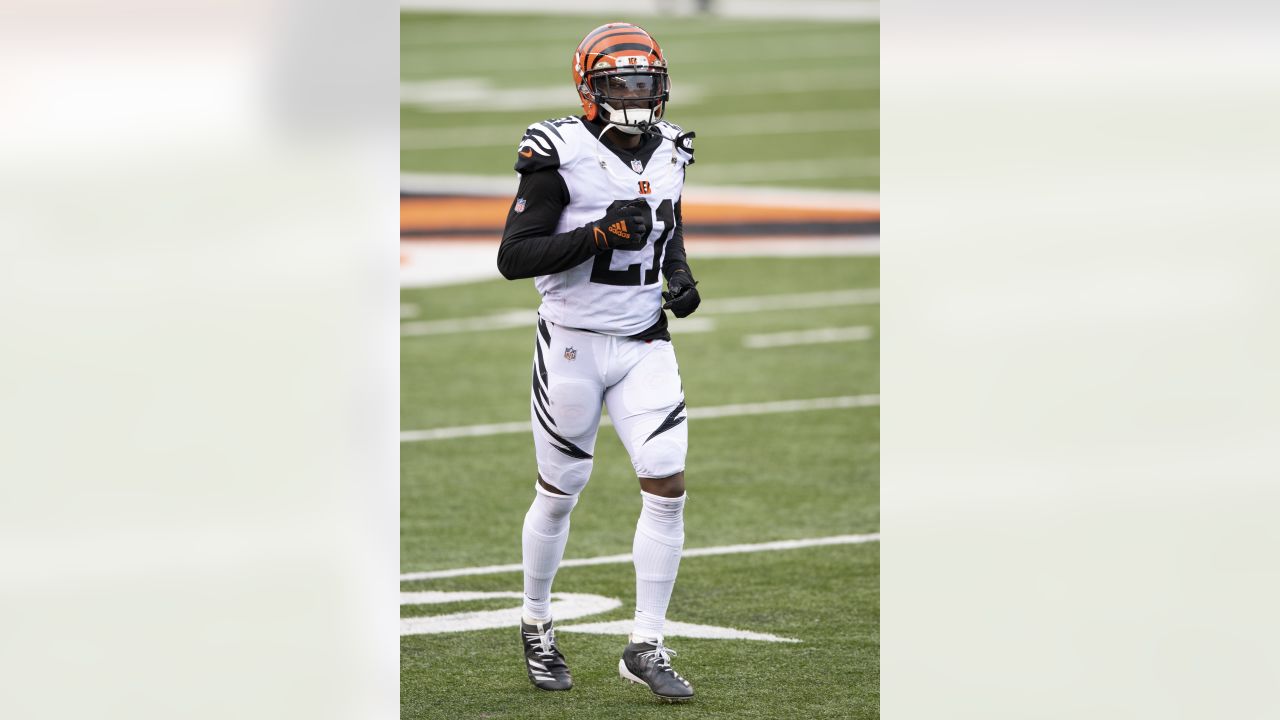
436,263
793,82
808,337
454,184
688,552
704,413
796,301
497,321
785,406
843,167
789,123
507,319
448,433
426,263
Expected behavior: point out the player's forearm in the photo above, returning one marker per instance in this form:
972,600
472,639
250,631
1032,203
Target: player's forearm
531,256
673,257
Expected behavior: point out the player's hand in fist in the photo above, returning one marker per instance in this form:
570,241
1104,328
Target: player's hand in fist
623,228
682,294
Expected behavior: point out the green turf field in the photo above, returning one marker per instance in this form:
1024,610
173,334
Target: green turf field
750,479
774,103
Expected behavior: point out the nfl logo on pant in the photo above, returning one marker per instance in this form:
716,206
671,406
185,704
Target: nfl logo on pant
570,354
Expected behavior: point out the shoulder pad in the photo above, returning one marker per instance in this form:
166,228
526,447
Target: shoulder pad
543,146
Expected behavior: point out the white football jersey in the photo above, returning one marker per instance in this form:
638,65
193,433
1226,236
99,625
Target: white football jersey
616,292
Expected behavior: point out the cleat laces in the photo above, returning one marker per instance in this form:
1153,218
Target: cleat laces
546,641
660,656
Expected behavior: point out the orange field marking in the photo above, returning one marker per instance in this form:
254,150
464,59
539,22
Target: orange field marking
489,213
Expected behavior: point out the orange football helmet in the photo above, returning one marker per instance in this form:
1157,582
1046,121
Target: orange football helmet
619,69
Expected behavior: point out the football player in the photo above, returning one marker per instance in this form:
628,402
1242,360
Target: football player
596,223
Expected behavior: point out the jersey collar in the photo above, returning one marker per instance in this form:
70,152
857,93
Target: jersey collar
648,145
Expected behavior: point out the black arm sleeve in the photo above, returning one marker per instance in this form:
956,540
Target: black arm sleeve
673,257
529,248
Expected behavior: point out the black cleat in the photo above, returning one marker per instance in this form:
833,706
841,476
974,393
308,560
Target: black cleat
546,666
649,663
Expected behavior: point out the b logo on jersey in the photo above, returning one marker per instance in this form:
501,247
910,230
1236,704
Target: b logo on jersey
644,187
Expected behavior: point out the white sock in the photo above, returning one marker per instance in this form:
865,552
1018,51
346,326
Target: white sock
656,554
546,530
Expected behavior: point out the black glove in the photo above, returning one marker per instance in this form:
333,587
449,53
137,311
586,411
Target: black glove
623,227
682,294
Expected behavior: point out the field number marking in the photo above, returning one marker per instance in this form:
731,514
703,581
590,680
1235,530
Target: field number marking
567,606
564,606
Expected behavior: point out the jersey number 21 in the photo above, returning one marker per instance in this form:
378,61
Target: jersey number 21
601,272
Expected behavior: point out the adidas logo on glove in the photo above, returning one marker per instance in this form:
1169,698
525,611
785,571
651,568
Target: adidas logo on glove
620,229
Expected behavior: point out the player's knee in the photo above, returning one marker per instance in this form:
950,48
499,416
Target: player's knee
671,486
660,457
553,505
547,488
568,478
575,407
548,515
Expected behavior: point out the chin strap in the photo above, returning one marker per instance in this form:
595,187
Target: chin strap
600,143
596,148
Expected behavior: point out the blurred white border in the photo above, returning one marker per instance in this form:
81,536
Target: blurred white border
198,243
1078,360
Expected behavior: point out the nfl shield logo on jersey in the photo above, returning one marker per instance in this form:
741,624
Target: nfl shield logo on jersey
637,166
519,205
570,354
